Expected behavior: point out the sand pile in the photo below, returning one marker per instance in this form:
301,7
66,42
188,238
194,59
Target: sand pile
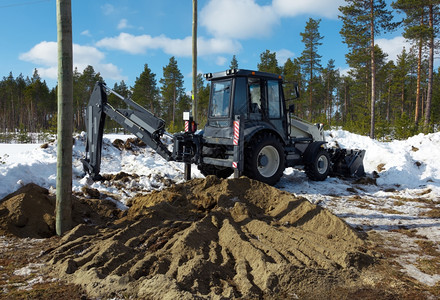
212,238
30,212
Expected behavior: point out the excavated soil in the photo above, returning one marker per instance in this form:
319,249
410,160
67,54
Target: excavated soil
30,212
213,238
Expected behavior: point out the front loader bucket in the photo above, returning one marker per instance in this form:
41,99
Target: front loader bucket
347,162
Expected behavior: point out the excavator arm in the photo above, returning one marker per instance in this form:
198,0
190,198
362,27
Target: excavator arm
136,120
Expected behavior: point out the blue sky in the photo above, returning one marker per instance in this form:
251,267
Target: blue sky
118,37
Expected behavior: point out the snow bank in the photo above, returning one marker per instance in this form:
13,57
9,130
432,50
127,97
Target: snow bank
412,164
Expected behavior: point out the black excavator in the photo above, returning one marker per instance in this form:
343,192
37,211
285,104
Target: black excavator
249,131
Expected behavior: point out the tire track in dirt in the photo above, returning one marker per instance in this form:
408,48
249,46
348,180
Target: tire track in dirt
212,238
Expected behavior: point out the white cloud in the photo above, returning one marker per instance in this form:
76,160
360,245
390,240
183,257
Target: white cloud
107,9
45,55
221,61
393,47
324,8
123,24
86,33
238,18
50,73
178,47
242,19
283,55
344,71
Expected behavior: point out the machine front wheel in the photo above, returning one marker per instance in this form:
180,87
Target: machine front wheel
318,167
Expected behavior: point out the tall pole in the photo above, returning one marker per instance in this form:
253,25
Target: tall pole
65,117
187,170
194,61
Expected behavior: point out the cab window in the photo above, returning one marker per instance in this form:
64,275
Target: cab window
273,95
221,94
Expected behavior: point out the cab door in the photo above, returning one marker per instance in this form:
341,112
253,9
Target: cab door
275,106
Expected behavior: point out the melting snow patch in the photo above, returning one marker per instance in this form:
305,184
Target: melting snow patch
414,272
28,270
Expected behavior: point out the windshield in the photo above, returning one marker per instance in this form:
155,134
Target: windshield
221,92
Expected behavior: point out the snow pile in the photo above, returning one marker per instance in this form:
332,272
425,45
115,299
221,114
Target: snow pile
412,163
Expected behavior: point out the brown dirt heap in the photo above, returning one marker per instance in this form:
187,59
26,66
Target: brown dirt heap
29,212
212,238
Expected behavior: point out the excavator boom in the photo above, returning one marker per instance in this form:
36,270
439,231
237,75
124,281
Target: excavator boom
137,120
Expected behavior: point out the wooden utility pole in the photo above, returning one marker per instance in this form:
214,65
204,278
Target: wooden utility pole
194,61
187,170
65,117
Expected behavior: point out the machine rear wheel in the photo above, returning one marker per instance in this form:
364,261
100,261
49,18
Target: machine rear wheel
318,167
265,159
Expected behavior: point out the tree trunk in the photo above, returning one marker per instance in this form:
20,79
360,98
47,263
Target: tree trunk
311,93
345,101
419,75
373,71
402,99
174,105
430,70
389,102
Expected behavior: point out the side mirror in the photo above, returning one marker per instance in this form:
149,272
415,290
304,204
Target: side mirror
292,108
296,91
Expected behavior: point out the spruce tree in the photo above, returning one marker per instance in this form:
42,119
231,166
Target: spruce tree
269,63
234,63
172,90
145,90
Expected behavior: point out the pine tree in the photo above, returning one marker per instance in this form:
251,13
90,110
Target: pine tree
146,92
435,117
172,90
310,59
234,63
362,21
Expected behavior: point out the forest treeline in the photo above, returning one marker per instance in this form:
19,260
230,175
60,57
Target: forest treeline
378,97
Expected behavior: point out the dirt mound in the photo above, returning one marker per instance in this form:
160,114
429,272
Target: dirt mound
212,238
30,212
128,144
